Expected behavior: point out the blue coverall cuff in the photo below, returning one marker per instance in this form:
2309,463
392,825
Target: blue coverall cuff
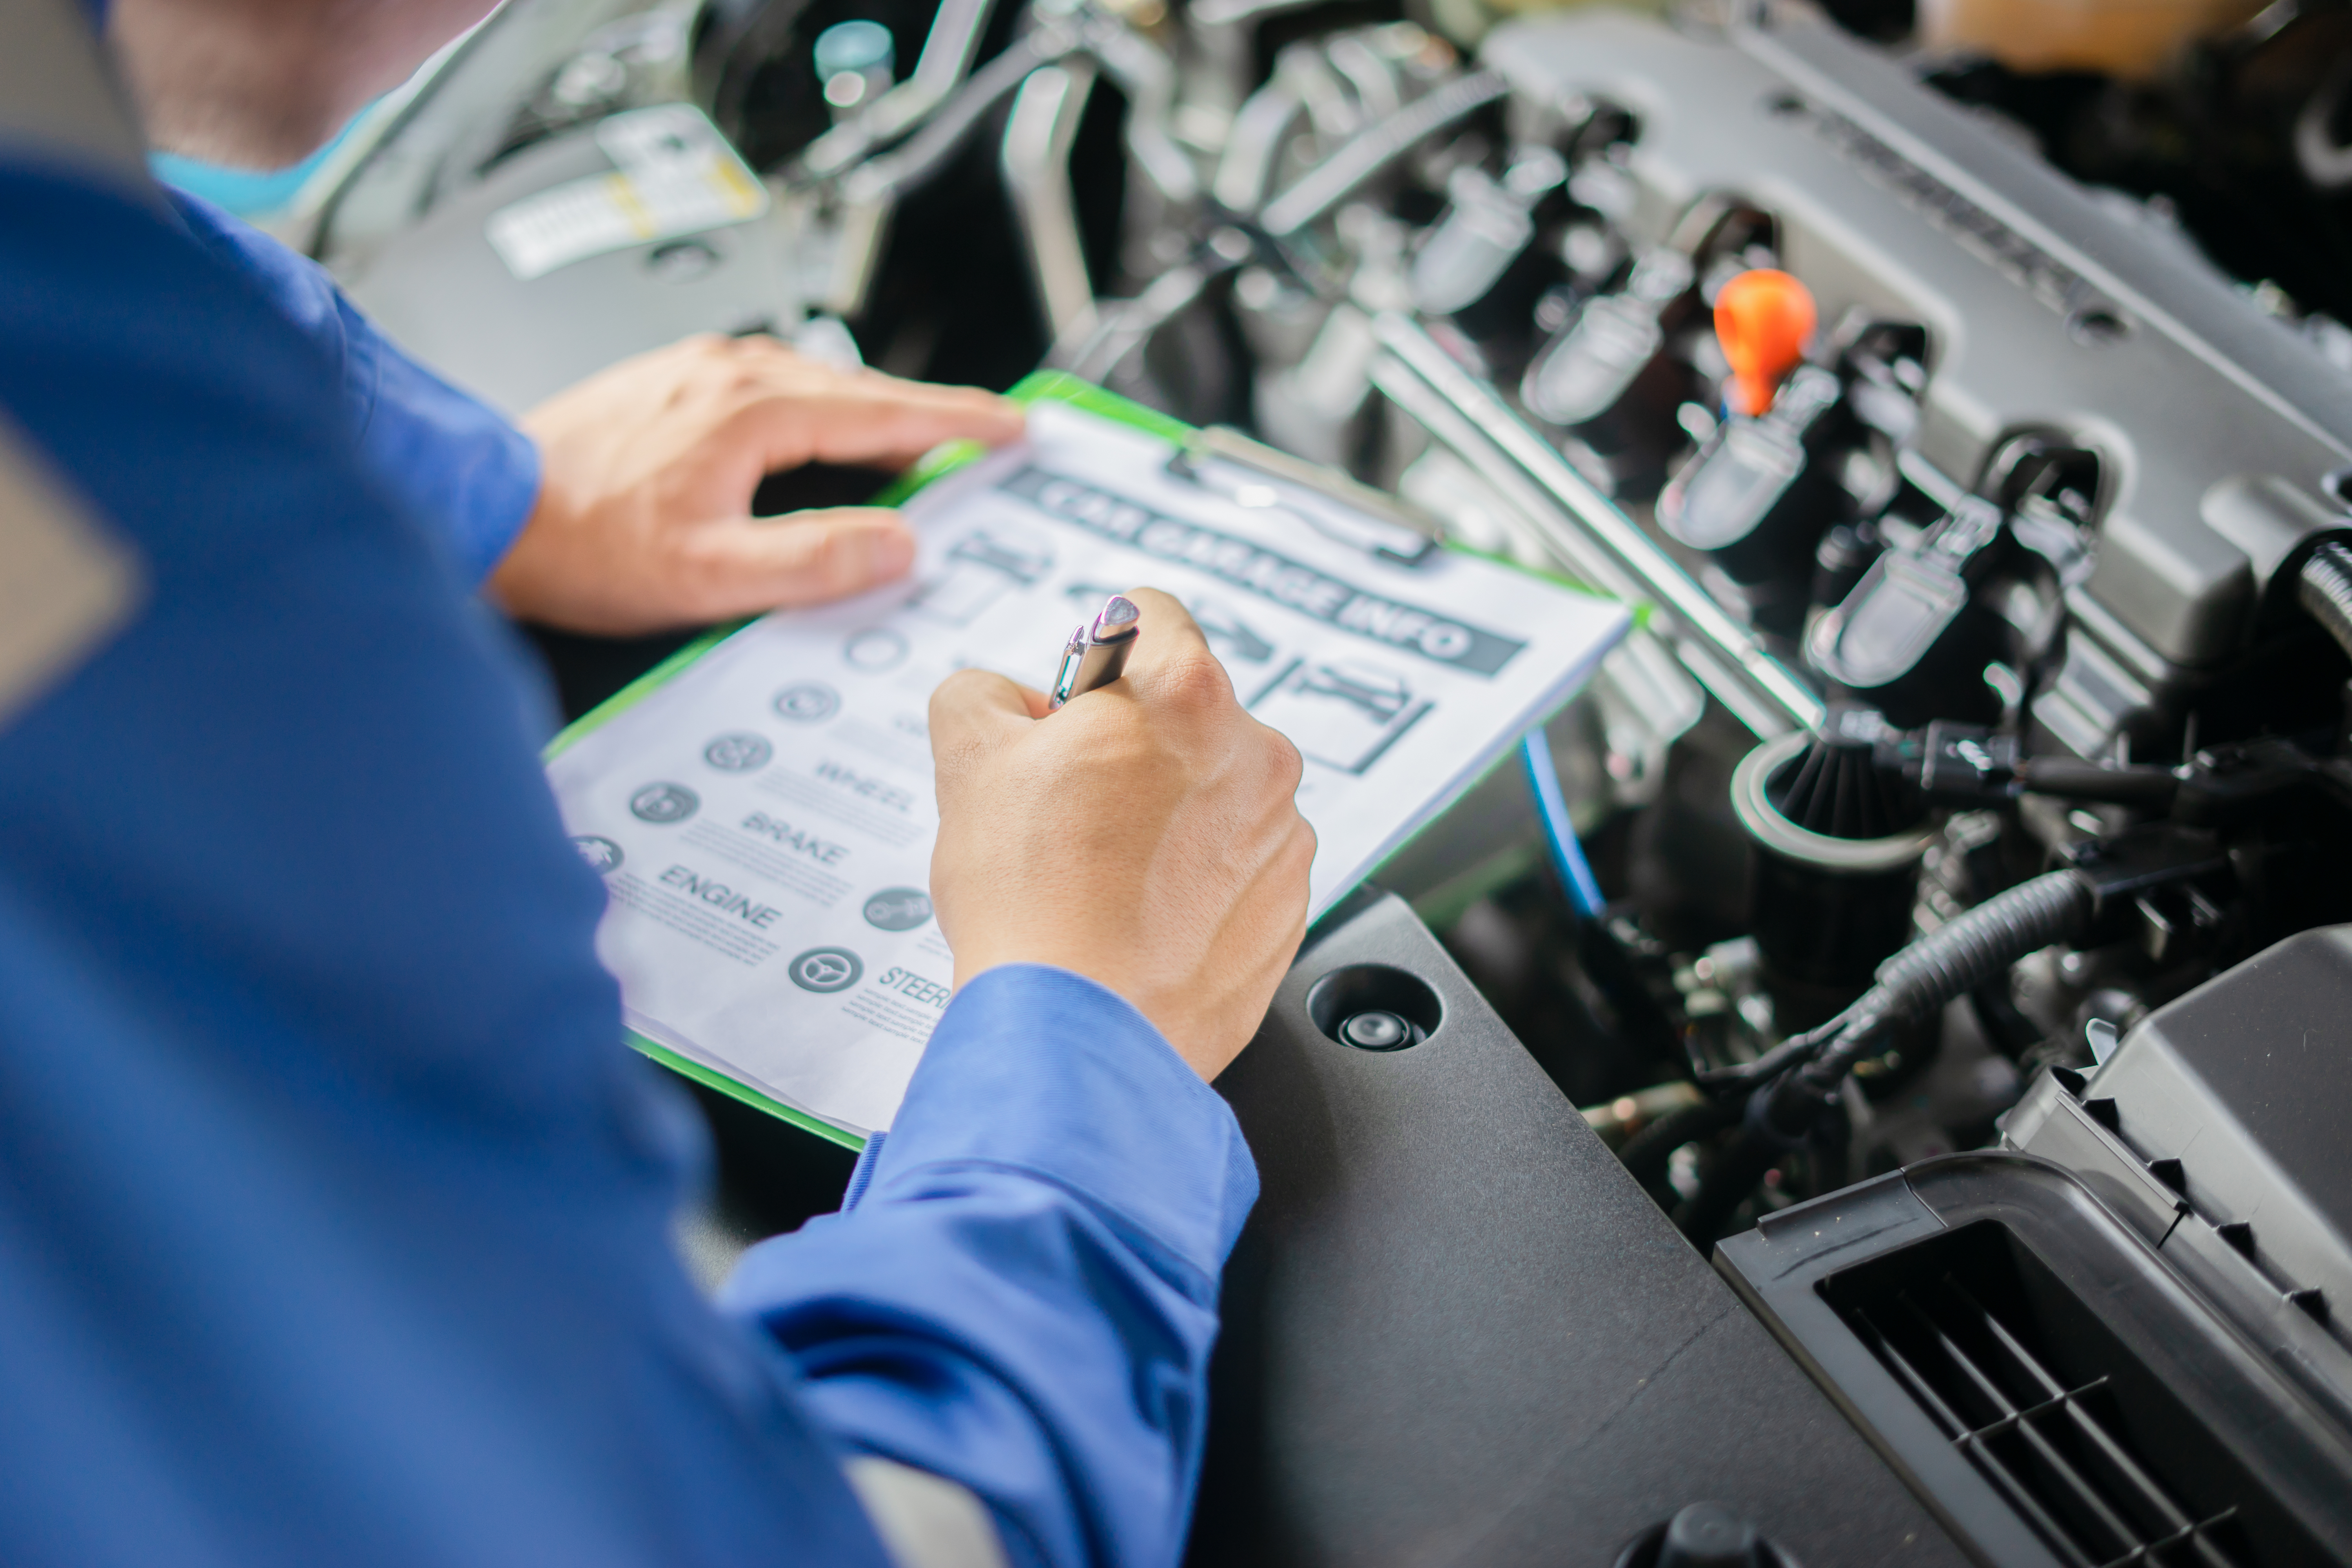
1042,1069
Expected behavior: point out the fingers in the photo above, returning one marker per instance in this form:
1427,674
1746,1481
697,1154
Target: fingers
746,566
886,424
972,713
796,411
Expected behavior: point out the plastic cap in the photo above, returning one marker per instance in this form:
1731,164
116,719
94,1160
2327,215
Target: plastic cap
1707,1535
1376,1031
852,47
1763,319
1119,614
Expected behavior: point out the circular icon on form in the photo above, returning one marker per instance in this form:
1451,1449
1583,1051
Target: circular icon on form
808,702
825,969
899,909
661,803
739,753
600,853
876,649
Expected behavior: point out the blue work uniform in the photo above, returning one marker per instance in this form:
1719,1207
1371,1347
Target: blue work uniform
335,1217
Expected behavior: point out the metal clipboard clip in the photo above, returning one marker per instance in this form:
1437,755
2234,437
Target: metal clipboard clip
1249,473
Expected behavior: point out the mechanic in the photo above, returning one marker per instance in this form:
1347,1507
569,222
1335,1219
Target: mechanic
334,1216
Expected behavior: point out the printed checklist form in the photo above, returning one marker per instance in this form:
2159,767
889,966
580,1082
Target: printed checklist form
763,818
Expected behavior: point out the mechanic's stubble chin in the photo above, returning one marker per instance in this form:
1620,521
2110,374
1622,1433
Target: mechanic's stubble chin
260,84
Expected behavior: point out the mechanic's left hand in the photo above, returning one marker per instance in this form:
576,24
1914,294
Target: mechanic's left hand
647,468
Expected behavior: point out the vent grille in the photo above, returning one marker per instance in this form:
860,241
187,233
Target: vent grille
2069,1429
2054,1451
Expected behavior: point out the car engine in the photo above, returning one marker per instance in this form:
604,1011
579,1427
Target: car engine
1973,800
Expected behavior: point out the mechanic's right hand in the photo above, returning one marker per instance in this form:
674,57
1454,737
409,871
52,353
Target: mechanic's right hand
1146,836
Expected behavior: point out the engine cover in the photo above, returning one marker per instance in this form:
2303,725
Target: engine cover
2049,309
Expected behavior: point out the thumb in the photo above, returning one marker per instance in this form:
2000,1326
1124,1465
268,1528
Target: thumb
745,565
973,712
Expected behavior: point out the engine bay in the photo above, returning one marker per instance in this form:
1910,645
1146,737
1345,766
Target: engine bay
1982,470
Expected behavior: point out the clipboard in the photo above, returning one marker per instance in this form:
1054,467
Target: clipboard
1236,473
1039,387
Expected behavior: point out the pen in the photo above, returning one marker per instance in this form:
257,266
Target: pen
1098,650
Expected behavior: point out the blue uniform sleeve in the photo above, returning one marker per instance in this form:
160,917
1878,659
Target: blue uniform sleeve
464,474
1021,1296
334,1216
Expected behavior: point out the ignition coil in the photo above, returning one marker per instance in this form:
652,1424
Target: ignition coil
1781,472
1755,502
1479,263
1909,640
1609,376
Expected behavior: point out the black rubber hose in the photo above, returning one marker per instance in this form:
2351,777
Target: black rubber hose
2006,1029
2324,590
1736,1171
1647,1153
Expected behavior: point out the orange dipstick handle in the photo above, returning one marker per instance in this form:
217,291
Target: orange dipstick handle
1763,319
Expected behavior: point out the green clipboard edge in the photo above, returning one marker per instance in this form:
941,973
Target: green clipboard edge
1039,387
1043,386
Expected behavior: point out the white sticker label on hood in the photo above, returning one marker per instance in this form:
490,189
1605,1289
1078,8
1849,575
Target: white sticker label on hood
673,174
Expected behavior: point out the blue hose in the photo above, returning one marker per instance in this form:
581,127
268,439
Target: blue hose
1560,832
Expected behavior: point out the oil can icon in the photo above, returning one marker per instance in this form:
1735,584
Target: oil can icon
982,568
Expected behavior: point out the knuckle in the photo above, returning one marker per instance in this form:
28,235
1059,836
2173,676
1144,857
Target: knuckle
1289,763
946,702
1197,683
1299,852
706,353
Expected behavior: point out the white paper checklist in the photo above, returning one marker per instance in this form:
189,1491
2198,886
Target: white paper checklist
764,821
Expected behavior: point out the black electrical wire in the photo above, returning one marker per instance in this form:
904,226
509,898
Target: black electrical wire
1930,972
1799,1077
2148,785
1768,1066
1970,949
2005,1025
1962,955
